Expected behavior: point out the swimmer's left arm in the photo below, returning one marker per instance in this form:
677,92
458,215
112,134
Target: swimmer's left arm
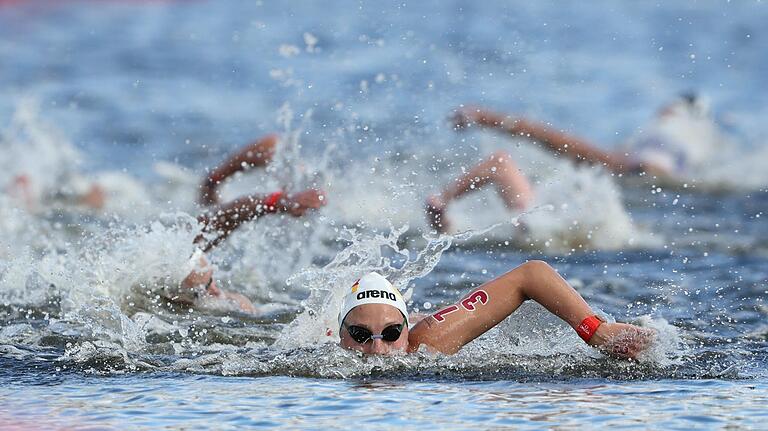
452,327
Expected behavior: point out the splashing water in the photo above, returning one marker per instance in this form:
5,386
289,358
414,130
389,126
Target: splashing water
107,288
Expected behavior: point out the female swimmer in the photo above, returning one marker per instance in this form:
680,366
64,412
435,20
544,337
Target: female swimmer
374,318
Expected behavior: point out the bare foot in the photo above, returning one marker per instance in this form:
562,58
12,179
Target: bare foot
622,340
435,209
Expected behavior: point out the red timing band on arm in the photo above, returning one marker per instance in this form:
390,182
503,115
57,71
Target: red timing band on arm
271,200
588,327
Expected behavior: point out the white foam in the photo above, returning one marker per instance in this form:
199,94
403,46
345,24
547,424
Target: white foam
587,208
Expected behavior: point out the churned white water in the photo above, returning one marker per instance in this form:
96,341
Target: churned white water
142,98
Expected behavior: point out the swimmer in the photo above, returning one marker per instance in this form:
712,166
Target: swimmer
199,287
374,319
75,191
682,137
499,170
219,222
39,169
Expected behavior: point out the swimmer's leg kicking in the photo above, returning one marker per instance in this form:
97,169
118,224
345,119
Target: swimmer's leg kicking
499,169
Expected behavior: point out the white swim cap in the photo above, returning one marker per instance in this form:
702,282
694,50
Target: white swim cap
372,289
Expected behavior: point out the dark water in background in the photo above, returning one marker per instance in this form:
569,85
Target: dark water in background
162,72
134,83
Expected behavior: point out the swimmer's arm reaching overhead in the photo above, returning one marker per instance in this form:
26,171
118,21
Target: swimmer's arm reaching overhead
577,149
254,155
454,326
223,221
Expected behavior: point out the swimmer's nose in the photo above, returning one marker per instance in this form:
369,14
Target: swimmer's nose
379,347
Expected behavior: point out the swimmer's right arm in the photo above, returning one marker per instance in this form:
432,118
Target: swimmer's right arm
256,154
452,327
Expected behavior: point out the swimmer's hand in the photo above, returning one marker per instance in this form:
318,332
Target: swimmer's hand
622,340
299,203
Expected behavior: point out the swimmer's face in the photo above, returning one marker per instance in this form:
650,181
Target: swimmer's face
202,279
375,318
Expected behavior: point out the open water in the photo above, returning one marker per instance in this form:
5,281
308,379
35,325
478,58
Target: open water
143,96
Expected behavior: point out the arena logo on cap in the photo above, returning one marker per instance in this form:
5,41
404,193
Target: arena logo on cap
376,294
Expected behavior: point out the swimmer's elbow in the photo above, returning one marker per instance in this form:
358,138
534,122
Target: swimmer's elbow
535,267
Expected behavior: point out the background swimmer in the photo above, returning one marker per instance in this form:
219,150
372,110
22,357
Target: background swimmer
682,138
40,168
220,221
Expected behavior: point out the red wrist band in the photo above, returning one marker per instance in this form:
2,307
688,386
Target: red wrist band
271,200
588,327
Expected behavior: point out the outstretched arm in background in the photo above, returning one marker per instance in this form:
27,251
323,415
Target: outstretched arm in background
257,154
562,144
221,222
499,169
452,327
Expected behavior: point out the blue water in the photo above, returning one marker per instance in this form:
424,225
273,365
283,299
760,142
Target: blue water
369,87
149,402
161,73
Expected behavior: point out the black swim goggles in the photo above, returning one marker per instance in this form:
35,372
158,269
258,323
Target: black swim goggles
197,293
362,335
